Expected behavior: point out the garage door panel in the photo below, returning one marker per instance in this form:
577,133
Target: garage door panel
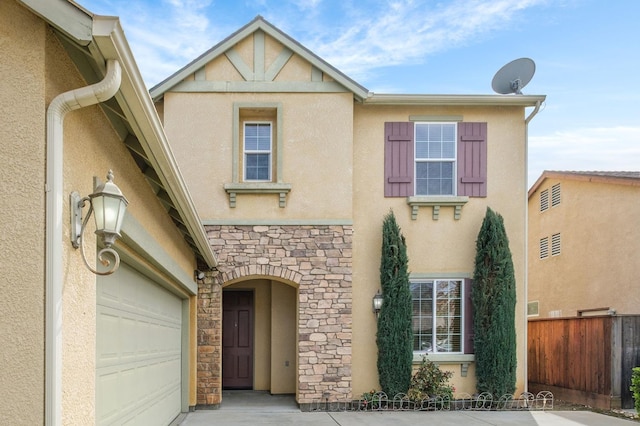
138,351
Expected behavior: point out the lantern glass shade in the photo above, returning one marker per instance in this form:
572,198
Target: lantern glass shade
109,206
377,302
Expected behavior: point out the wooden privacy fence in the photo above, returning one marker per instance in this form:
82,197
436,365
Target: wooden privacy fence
586,360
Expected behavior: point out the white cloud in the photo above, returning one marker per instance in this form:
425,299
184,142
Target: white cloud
599,148
406,31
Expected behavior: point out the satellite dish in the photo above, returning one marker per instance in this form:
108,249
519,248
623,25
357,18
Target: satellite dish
512,77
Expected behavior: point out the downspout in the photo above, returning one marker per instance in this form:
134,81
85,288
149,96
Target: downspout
526,244
59,107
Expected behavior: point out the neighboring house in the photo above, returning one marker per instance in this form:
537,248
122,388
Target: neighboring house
78,348
584,240
292,166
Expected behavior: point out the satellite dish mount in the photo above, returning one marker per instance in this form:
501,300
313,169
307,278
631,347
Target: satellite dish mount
512,77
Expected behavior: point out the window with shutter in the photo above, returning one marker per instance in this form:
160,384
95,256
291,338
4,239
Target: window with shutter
472,159
398,159
423,159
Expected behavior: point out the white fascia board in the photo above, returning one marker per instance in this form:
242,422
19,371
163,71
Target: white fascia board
138,107
465,100
65,16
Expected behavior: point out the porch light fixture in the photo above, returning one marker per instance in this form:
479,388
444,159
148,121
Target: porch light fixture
108,206
377,303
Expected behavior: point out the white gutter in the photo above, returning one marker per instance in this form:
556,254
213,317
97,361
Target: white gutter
59,107
465,100
526,244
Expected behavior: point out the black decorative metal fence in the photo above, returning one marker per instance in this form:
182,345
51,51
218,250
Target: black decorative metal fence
482,402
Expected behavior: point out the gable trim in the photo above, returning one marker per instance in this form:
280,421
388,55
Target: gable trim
259,23
237,62
258,86
278,64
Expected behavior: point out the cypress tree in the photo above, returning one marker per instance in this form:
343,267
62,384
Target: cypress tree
494,300
395,334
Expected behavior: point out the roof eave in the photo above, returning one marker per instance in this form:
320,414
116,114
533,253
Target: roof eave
582,176
465,100
112,44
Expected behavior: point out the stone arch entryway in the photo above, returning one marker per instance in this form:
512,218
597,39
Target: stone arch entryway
259,335
314,258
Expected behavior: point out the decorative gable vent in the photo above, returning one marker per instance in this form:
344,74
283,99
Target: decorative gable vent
555,195
555,244
544,247
544,200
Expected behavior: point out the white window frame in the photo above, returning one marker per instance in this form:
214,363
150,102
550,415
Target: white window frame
246,151
434,317
453,160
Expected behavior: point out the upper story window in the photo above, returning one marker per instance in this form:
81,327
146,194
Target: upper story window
257,166
257,151
435,156
435,159
437,316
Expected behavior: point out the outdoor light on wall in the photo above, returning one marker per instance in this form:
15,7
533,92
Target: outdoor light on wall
108,206
377,303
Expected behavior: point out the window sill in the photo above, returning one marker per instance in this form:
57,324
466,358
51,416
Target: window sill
463,359
436,203
233,189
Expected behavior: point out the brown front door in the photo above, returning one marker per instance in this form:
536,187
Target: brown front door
237,340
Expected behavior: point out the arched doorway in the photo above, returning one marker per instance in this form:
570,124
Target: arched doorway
259,335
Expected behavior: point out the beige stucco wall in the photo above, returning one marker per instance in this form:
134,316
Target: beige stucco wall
22,156
600,240
284,338
434,246
200,127
34,70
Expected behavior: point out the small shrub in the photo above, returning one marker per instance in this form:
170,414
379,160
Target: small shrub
429,381
635,387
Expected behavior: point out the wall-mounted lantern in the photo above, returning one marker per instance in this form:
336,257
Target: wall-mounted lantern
377,303
108,206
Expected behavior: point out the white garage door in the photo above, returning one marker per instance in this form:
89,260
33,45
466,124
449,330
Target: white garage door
138,353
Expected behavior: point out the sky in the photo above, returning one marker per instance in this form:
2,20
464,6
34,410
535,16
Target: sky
587,56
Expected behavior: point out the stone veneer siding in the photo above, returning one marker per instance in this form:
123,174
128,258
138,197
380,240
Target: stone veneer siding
318,260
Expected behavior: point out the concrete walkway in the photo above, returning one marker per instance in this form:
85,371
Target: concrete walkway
257,409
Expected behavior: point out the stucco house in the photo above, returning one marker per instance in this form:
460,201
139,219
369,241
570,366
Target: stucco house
292,166
80,348
578,248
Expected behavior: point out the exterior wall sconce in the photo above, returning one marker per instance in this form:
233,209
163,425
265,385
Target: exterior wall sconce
377,303
108,206
198,274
